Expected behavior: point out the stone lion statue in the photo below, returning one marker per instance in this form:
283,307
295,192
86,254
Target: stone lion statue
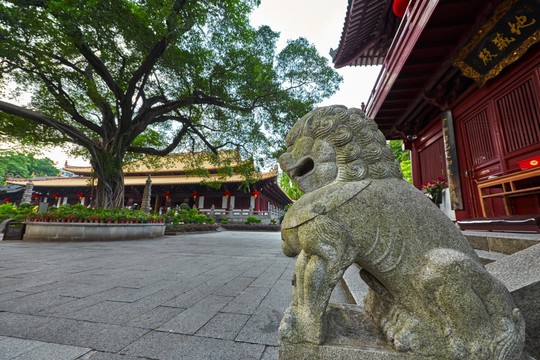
429,293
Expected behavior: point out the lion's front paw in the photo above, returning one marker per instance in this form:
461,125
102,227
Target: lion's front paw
296,327
403,330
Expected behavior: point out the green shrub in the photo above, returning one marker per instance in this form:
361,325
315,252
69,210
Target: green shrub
252,220
19,213
184,206
224,221
79,212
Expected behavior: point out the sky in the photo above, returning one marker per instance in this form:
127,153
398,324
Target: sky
321,23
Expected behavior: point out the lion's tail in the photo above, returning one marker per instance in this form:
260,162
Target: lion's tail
509,344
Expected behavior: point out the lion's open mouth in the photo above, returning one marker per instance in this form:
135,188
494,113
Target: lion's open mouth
306,165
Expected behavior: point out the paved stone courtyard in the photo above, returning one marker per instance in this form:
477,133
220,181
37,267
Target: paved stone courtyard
203,296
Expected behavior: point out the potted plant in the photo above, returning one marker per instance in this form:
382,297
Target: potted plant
434,190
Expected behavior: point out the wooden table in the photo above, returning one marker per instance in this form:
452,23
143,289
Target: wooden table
507,183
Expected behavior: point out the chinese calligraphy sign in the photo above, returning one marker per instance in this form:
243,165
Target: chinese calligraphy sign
512,29
452,167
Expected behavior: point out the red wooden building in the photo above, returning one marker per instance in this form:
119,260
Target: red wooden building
173,183
460,84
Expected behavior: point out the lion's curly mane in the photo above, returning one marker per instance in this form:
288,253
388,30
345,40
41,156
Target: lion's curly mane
360,147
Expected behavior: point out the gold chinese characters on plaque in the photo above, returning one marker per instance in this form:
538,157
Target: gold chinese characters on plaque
511,30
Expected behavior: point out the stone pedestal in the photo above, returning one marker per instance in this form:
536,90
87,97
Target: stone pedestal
351,335
520,273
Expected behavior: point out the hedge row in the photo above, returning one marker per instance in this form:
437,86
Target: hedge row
252,227
184,228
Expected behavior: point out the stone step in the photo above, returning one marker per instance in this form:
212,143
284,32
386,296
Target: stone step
354,287
488,257
501,242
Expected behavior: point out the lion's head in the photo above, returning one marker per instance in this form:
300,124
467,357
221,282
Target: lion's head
336,144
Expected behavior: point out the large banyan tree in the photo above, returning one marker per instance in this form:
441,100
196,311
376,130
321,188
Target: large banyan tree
121,78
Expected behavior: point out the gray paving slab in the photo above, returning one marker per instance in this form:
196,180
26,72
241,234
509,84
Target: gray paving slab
194,296
200,348
154,318
33,303
153,344
262,326
96,336
224,326
270,353
98,355
168,346
21,349
235,286
98,312
195,317
12,347
47,351
22,325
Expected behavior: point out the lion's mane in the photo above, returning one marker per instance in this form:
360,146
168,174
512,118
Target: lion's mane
360,147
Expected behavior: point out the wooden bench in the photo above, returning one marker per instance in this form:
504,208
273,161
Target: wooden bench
509,189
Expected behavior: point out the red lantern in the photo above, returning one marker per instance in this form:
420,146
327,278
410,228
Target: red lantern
80,195
227,194
56,196
36,196
167,195
7,200
195,195
255,193
399,7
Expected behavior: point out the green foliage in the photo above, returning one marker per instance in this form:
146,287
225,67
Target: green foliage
252,220
122,78
184,206
403,157
25,165
19,213
224,221
80,213
289,187
273,222
188,216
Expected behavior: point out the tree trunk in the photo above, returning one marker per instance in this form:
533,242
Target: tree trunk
110,185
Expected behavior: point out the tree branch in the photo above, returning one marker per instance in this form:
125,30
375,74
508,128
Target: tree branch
99,67
77,136
147,115
98,100
63,99
151,151
203,138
